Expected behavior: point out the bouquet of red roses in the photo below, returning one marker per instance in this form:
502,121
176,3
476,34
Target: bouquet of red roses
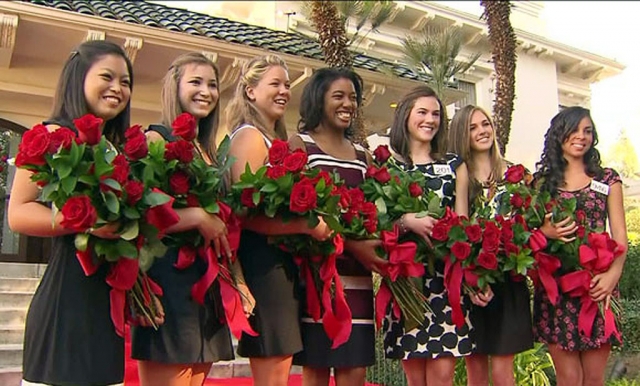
596,253
179,168
83,176
396,192
288,188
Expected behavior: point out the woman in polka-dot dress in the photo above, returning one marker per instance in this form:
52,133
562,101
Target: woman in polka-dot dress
418,137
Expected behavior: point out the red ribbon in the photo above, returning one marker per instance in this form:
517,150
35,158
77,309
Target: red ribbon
453,284
577,284
86,262
336,318
595,257
401,264
162,216
231,298
547,266
121,278
313,306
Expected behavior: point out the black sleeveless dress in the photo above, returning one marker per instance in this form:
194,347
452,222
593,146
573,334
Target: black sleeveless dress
69,338
272,278
359,350
191,333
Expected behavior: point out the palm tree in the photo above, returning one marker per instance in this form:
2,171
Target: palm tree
504,43
434,55
330,20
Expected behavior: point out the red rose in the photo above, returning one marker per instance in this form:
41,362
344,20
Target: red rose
275,172
516,201
461,250
179,182
246,197
78,214
136,147
343,192
490,245
192,201
162,216
184,127
381,175
514,174
548,207
303,197
349,216
527,202
581,216
356,198
474,233
488,260
580,231
440,231
382,154
34,145
511,249
134,190
295,161
133,131
278,151
61,138
370,224
323,175
506,234
415,190
121,169
181,150
89,130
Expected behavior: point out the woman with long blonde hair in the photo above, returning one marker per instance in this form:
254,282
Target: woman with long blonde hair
255,117
503,328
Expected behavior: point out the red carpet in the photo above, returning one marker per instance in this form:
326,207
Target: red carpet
131,372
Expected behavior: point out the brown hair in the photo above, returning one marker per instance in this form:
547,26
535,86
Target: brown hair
241,109
207,126
460,143
399,135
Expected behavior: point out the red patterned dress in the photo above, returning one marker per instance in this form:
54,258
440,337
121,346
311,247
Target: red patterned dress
559,324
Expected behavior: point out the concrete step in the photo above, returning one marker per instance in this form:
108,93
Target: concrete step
21,270
11,335
12,316
10,355
26,284
15,299
10,376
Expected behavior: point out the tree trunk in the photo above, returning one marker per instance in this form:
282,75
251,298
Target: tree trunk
503,42
335,46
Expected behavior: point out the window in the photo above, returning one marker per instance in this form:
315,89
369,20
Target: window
470,90
13,246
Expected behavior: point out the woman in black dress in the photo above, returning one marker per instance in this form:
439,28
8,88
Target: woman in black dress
193,336
255,116
69,336
329,103
502,328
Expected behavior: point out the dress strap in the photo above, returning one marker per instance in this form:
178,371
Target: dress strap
267,141
163,131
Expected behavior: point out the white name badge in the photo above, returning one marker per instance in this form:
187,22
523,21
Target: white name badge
442,169
599,187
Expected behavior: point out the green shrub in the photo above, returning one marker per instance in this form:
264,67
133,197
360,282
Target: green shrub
630,280
630,325
623,382
385,372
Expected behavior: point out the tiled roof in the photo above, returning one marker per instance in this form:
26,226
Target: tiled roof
179,20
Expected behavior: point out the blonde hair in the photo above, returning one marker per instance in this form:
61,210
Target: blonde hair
241,109
459,142
171,108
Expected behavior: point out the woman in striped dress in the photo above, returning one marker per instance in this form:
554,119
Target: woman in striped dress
329,103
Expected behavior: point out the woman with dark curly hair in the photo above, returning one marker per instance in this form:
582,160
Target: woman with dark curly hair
570,167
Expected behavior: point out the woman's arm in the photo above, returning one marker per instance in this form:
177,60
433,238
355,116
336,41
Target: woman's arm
462,190
602,285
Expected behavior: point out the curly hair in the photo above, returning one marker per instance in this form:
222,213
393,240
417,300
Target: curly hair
550,169
312,101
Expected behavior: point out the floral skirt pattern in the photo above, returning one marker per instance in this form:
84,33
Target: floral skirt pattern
439,337
559,324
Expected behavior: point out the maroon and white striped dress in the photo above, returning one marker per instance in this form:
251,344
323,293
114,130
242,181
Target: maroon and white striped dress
359,350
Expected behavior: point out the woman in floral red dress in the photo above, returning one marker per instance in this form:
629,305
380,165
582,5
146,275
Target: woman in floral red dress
570,167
